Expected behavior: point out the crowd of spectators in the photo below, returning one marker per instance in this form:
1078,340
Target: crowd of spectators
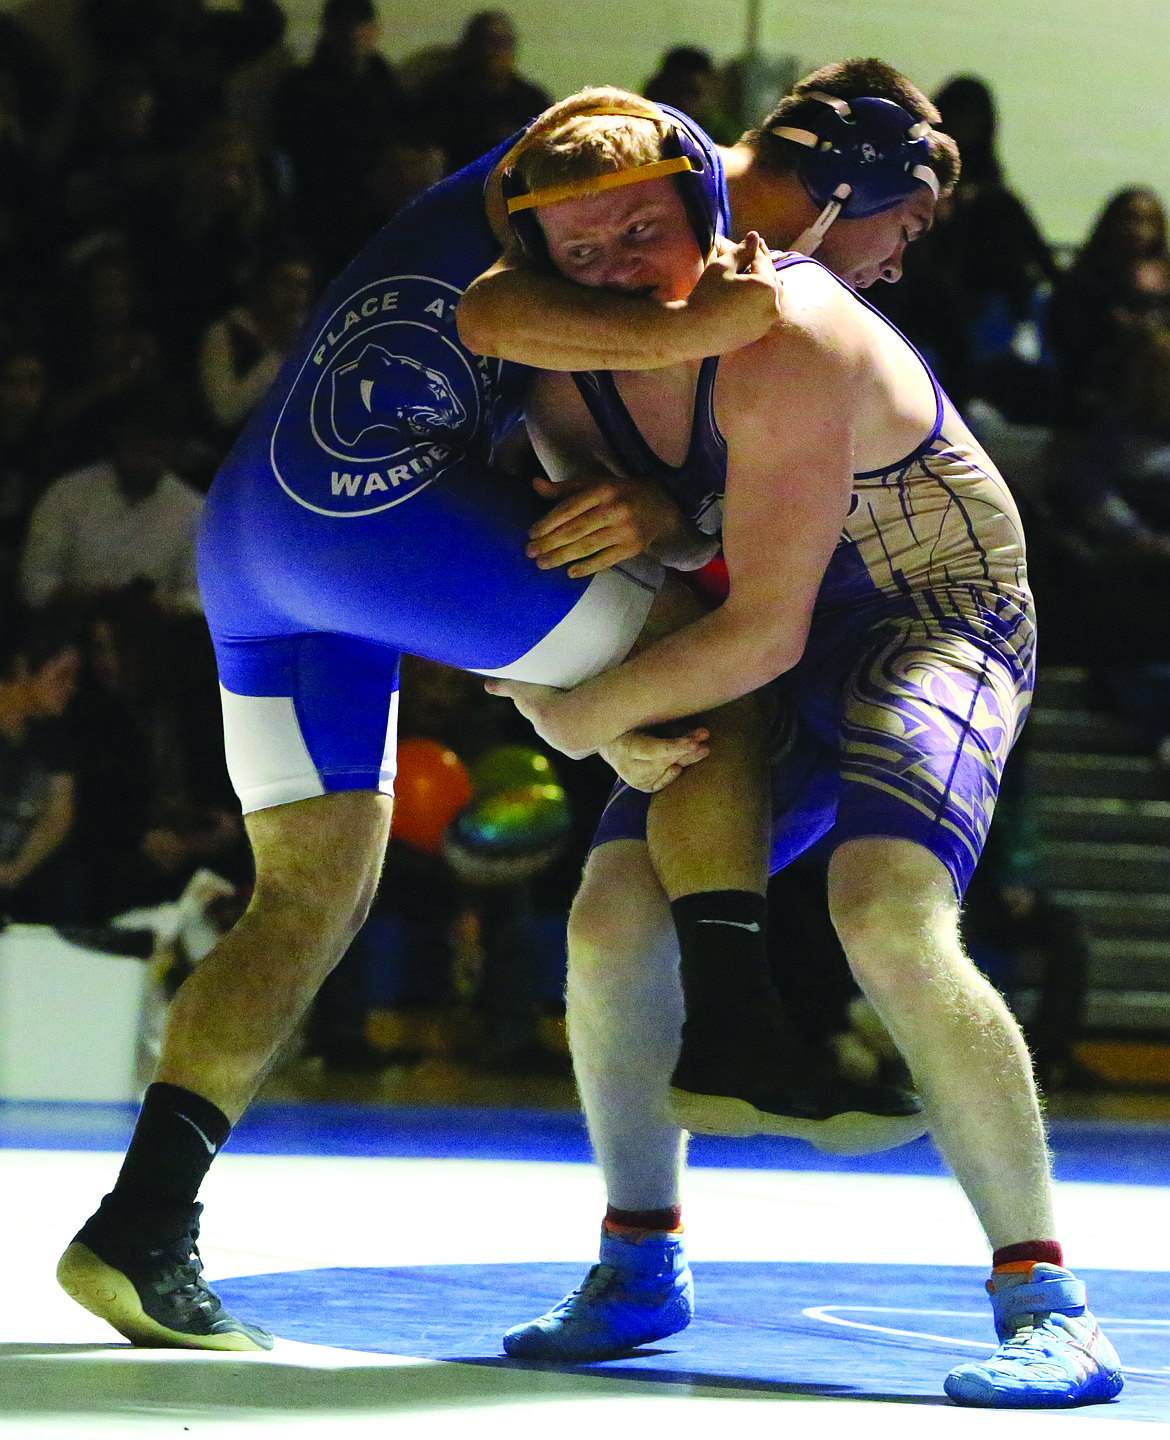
157,258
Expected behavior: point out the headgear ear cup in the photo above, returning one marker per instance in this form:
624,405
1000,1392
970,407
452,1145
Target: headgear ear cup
703,187
525,226
863,157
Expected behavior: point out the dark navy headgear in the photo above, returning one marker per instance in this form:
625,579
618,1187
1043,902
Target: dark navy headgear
688,157
864,156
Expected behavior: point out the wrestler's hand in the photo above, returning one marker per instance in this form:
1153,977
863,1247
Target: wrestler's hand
538,705
737,298
599,523
650,762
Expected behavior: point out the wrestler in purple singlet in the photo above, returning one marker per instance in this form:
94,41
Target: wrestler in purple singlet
918,669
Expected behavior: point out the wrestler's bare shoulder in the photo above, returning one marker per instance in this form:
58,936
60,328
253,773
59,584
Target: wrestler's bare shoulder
818,338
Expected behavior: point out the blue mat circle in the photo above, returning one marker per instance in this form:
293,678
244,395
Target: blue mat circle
860,1331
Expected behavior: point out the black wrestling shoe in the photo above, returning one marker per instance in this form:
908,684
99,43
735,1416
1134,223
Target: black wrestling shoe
759,1083
154,1297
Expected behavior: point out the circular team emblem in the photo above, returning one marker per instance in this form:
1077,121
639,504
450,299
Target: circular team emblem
383,402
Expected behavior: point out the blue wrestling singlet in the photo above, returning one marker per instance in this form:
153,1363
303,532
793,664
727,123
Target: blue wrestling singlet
358,517
917,673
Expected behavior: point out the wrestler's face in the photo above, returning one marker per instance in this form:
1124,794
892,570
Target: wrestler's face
637,238
864,251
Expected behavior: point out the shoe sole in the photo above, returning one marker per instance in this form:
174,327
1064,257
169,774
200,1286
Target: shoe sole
977,1396
852,1133
108,1294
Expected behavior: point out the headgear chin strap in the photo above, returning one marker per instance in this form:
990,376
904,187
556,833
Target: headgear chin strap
864,157
688,157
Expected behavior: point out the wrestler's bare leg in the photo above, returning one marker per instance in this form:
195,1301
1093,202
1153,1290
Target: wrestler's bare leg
625,1011
710,828
895,910
134,1262
317,867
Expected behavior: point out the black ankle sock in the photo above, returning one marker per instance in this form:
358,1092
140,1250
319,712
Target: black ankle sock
723,945
177,1136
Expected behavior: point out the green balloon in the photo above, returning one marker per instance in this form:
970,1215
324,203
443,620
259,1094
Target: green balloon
511,767
515,821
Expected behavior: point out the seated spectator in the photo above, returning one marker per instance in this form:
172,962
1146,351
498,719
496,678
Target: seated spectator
1121,481
480,99
975,289
1116,293
198,236
30,225
187,48
242,352
113,156
124,522
686,79
405,167
105,348
36,81
333,117
1119,490
29,450
141,838
38,672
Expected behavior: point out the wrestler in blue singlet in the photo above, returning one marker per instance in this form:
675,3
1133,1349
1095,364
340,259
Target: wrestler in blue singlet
358,517
918,669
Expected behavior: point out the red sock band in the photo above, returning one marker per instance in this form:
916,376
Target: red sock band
669,1219
1034,1252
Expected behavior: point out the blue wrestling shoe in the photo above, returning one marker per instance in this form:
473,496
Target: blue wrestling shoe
1052,1353
641,1290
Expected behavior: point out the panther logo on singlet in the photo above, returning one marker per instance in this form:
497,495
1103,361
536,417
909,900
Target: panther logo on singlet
380,391
384,401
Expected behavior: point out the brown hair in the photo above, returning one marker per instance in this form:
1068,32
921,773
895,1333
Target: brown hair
853,80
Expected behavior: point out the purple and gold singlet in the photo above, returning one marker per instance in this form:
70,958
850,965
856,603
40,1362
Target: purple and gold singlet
918,669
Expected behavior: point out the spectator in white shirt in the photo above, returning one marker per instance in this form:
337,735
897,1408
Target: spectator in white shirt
242,351
125,521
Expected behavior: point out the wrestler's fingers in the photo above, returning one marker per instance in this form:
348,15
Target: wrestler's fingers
600,520
665,779
661,749
603,560
577,502
749,248
607,545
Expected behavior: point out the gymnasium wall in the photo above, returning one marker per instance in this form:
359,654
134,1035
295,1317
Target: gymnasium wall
1080,85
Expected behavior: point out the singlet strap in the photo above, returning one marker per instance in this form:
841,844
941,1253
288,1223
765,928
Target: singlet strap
599,391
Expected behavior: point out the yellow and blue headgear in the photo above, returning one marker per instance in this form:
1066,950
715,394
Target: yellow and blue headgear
688,157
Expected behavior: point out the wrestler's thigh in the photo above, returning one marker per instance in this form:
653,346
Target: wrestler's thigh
927,723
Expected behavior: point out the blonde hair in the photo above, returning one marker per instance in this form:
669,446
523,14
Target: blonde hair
598,131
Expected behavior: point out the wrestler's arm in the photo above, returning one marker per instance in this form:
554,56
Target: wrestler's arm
519,313
786,407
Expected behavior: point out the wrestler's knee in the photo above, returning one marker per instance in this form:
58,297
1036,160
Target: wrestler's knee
317,868
620,912
894,909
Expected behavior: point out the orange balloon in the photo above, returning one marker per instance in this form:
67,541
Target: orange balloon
430,789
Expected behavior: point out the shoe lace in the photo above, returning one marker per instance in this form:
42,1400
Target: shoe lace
1033,1341
182,1276
602,1280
